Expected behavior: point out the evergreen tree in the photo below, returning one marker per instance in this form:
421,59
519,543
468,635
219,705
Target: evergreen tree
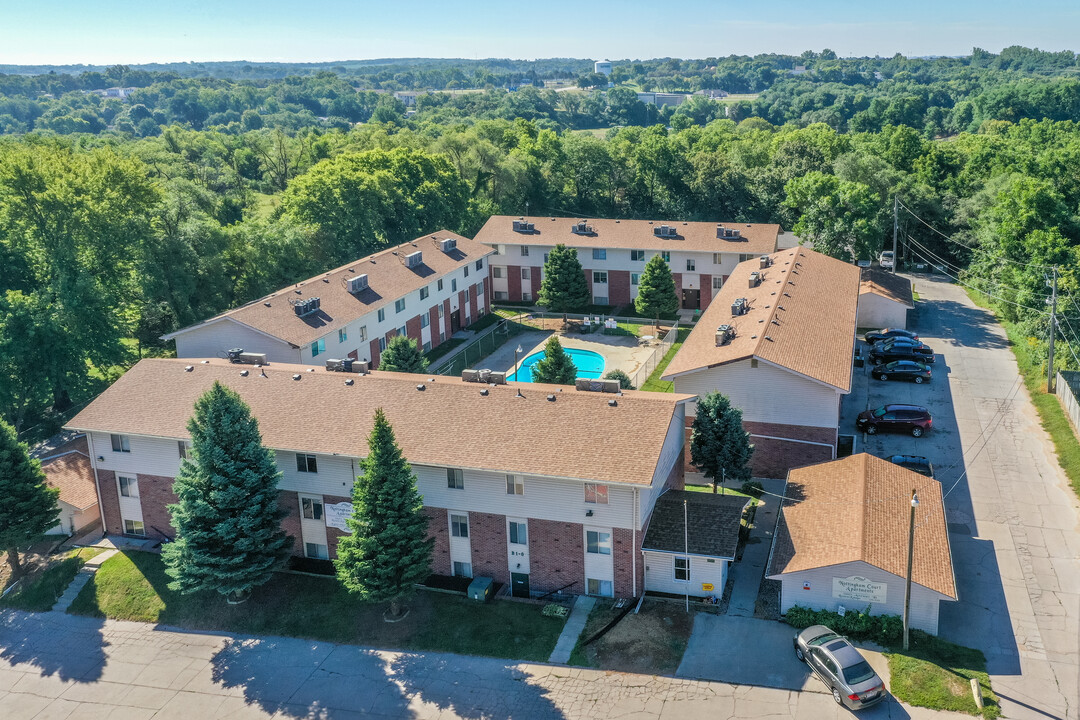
564,288
719,446
556,367
623,378
656,290
402,354
388,550
28,506
228,522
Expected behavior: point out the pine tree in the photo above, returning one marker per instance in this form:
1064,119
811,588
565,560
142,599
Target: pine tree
388,550
556,367
656,290
719,446
28,506
563,288
402,354
228,522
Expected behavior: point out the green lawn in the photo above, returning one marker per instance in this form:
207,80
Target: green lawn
39,592
937,674
132,586
654,383
725,490
443,348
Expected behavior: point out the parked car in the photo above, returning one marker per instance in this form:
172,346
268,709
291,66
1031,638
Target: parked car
842,668
888,350
885,260
913,419
877,335
903,370
915,463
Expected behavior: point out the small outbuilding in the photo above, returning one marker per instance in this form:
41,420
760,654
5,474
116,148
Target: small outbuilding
691,538
67,466
842,540
884,299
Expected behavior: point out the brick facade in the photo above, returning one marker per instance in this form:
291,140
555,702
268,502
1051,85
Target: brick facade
619,287
706,291
472,303
556,556
487,537
373,347
513,282
155,494
289,502
412,328
536,280
623,552
772,458
433,325
463,306
439,529
110,502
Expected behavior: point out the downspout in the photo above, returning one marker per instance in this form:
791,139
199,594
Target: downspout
97,484
633,549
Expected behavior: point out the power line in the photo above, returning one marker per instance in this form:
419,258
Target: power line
956,268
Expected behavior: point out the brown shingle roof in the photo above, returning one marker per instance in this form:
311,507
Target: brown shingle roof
449,423
388,280
712,520
802,317
888,285
757,239
858,508
68,468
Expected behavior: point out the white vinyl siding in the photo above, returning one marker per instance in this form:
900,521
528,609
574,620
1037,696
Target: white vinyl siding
660,575
214,339
148,456
879,312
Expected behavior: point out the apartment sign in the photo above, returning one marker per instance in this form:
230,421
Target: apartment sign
859,588
336,515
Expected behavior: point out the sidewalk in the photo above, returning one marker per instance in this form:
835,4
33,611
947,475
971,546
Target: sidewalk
747,573
572,629
85,573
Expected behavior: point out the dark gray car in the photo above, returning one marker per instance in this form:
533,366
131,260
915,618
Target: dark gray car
852,681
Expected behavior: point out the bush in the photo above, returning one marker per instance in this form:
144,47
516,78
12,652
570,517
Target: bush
882,629
752,488
623,378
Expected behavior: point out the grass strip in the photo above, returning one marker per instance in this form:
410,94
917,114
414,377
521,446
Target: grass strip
654,383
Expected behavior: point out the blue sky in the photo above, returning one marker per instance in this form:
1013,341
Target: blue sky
134,31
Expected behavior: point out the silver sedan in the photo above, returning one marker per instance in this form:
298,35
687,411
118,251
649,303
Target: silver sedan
853,683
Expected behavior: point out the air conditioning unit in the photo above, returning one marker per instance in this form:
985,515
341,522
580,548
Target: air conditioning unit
591,385
582,228
306,306
348,365
739,307
484,375
414,259
470,375
724,335
735,234
765,261
234,353
524,227
755,279
335,365
447,244
249,358
665,231
357,284
497,378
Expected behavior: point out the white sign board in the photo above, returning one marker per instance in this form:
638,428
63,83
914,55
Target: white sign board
859,588
336,515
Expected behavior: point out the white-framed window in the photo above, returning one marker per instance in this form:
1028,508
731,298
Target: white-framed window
596,493
134,527
425,320
424,292
306,463
599,277
716,260
480,264
382,343
479,288
597,542
691,265
637,255
121,443
499,249
318,347
399,305
546,257
524,251
682,569
515,485
602,588
343,334
600,300
427,346
466,269
129,486
665,255
363,333
743,257
382,314
184,448
403,330
717,282
439,285
462,569
312,508
526,273
496,271
526,296
442,311
455,479
459,526
453,284
635,278
317,551
519,533
502,295
599,253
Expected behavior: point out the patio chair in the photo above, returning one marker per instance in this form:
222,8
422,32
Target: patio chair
586,325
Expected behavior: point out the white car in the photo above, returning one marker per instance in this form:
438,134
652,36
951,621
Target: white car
885,260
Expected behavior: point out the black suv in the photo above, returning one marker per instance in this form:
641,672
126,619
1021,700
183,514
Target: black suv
890,350
913,419
885,333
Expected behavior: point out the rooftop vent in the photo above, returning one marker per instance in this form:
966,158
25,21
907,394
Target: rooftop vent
356,284
613,403
765,261
665,231
421,387
306,306
724,335
448,244
582,228
591,385
755,279
521,226
551,398
350,381
189,368
414,259
484,392
244,373
297,376
740,307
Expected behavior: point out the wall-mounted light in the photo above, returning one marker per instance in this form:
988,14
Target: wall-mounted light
101,458
588,513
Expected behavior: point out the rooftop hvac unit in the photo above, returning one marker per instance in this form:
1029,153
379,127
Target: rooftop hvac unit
335,365
497,378
735,234
448,244
724,335
414,259
357,284
348,365
739,307
234,353
305,306
247,358
755,279
483,375
581,228
470,375
523,227
596,385
665,231
765,261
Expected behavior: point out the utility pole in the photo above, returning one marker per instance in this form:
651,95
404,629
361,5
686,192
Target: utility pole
910,557
895,228
1053,332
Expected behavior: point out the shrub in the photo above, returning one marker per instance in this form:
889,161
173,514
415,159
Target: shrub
881,629
623,378
752,488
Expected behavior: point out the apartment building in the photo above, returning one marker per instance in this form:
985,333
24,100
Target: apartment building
553,488
779,341
427,289
613,253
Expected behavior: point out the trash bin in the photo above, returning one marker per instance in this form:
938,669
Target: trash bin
480,589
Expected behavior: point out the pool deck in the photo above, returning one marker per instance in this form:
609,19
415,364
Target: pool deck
620,351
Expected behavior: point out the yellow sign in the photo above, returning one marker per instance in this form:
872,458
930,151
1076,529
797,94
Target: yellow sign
707,587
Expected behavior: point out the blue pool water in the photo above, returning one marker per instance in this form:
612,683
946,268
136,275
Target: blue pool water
589,364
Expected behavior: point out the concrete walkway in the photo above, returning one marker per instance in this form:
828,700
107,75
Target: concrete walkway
746,574
85,573
571,631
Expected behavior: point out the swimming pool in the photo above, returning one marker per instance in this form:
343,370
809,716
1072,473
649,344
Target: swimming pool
589,364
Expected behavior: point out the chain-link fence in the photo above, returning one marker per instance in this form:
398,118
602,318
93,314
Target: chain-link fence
659,352
479,348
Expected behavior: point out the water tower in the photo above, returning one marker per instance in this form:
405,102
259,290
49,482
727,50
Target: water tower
602,67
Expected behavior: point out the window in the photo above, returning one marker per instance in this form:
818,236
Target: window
363,333
453,285
526,274
424,292
479,288
717,282
129,487
425,320
637,255
121,443
600,300
634,278
682,569
184,446
599,254
318,347
315,550
306,463
665,255
546,257
598,587
691,264
595,493
466,271
526,296
462,569
455,479
597,543
342,335
515,485
382,343
716,258
439,285
427,346
442,311
312,508
480,264
459,526
399,305
599,277
519,533
382,314
524,251
133,527
496,271
744,257
499,249
402,331
502,295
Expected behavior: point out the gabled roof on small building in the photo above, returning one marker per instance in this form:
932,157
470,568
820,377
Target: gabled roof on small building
68,468
712,527
888,285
